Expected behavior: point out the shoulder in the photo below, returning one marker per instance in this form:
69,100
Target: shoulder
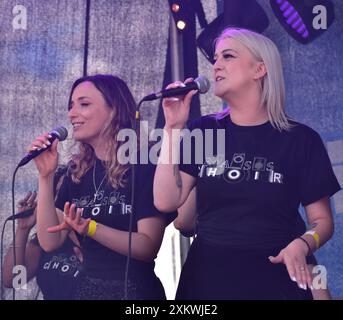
303,132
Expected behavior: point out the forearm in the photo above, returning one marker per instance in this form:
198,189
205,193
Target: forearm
186,217
47,215
324,228
167,181
142,248
20,249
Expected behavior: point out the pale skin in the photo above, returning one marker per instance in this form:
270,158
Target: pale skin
88,114
237,75
27,252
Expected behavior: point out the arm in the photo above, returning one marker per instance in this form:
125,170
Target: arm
169,177
172,187
145,242
48,216
294,255
186,218
27,255
319,218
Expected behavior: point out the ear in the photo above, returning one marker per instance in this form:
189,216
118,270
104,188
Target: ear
260,70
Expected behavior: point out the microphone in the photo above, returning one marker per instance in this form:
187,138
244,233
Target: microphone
59,133
24,214
202,84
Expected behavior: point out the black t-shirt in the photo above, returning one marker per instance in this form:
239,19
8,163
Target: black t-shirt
249,198
58,272
112,207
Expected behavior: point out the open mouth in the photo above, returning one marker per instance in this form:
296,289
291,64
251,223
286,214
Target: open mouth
77,124
219,79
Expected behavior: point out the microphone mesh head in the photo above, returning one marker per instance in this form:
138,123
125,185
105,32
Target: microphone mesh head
203,84
60,132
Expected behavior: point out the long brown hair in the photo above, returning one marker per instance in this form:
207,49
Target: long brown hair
119,98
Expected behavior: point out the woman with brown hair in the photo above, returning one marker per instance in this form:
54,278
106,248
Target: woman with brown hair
95,198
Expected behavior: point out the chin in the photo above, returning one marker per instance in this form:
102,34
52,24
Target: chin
79,137
219,92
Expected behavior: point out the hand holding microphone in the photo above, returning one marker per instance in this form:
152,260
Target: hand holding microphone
26,209
177,100
46,145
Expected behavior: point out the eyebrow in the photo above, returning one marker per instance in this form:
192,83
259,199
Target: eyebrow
80,98
226,50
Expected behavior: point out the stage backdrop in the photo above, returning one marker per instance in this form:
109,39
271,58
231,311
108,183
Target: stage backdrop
44,48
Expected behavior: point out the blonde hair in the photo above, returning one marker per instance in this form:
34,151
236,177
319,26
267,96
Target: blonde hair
118,98
272,85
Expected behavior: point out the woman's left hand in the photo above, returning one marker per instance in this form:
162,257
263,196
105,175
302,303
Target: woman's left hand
294,257
72,220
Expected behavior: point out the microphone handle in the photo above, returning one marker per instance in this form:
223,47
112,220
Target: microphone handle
179,91
35,153
24,214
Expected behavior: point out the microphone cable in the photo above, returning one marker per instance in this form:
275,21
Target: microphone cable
13,237
133,182
1,258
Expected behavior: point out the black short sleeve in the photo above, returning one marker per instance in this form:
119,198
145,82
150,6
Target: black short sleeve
317,179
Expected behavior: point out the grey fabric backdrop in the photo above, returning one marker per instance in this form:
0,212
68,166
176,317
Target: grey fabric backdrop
129,38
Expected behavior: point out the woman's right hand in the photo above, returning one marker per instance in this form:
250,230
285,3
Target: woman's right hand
176,109
29,202
47,161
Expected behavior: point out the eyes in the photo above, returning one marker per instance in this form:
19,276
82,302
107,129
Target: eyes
226,56
82,104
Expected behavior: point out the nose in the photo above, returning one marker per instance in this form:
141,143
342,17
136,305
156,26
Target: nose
217,65
72,113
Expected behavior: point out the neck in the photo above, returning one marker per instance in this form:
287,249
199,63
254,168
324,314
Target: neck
246,109
100,150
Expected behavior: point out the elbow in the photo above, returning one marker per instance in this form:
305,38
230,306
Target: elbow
178,224
163,207
148,256
47,247
186,229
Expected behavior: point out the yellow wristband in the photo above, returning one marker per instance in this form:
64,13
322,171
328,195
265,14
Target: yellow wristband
315,236
91,228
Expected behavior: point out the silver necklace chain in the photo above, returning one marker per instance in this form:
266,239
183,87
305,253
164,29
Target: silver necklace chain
97,189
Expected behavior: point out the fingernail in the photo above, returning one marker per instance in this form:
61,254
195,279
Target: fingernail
44,145
293,279
311,287
182,85
48,143
50,136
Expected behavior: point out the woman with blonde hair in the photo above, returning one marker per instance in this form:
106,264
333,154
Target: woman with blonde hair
247,246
